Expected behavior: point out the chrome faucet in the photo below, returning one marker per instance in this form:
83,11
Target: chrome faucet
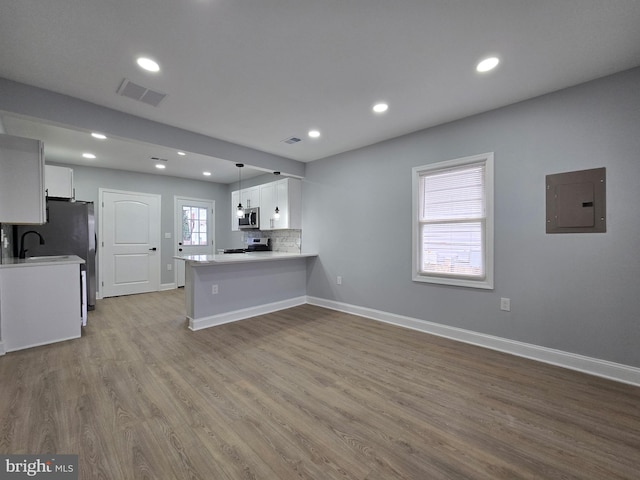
23,251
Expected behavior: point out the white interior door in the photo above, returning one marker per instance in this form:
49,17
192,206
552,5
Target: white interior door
130,240
194,230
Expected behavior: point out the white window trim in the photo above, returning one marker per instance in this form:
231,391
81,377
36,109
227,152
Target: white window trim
487,281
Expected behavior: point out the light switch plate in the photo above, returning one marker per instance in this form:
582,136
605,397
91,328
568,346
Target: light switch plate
505,304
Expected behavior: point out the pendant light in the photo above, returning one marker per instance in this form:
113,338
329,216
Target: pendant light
276,214
240,211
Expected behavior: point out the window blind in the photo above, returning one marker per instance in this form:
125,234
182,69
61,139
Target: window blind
452,221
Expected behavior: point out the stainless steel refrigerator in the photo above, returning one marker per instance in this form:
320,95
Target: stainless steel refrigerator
70,230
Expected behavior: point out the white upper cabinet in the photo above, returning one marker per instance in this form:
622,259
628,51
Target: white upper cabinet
286,196
248,197
22,196
58,182
268,205
235,199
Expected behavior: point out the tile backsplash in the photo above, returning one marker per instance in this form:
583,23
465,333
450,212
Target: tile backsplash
289,241
5,237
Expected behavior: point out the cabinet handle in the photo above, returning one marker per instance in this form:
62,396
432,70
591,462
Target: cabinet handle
153,249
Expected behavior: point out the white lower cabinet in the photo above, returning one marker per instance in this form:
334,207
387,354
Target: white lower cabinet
39,305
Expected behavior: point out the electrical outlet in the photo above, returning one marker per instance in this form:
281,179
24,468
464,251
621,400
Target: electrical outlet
169,266
214,289
339,280
505,304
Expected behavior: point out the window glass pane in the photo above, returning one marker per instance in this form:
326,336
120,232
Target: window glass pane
194,225
186,229
456,193
452,248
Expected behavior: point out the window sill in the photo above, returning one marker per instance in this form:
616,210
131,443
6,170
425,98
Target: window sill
485,283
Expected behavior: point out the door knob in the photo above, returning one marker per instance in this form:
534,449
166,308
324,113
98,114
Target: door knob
153,249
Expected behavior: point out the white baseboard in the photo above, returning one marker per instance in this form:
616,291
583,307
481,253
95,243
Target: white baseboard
593,366
40,344
168,286
222,318
2,352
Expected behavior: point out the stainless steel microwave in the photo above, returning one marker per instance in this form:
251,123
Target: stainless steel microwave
251,219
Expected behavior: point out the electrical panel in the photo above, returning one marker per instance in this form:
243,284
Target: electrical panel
576,201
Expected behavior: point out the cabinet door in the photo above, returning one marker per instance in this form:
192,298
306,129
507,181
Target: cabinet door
22,198
55,316
294,204
251,197
267,205
235,199
58,181
282,203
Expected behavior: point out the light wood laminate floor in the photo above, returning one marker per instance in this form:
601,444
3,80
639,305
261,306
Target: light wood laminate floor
305,393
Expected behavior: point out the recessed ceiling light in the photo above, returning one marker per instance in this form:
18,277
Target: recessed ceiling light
148,64
487,64
206,174
380,107
314,133
182,154
160,166
88,155
99,136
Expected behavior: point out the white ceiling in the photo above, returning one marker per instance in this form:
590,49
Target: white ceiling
257,72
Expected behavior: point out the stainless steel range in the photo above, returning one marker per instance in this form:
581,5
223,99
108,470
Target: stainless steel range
261,244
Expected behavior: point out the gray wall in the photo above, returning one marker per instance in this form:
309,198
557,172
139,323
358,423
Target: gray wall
574,292
54,107
88,180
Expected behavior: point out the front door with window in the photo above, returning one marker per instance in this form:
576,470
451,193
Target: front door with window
193,230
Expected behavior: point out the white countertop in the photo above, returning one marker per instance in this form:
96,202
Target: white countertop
226,258
40,261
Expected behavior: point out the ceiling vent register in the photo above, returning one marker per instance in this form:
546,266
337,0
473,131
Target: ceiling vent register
291,140
137,92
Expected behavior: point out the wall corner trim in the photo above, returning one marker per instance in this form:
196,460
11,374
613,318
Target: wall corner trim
592,366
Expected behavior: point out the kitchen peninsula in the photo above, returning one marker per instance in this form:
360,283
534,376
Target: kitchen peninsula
229,287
